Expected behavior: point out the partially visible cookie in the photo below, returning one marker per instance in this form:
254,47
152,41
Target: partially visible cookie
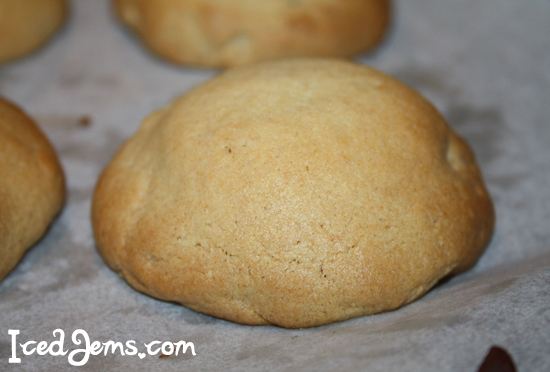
25,25
32,188
223,33
295,193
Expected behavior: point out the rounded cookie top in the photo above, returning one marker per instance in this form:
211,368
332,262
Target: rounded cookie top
222,33
32,188
25,25
295,193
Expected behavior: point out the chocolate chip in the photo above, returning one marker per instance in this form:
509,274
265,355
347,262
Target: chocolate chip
497,360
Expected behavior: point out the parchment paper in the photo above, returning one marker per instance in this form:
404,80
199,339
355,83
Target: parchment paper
484,63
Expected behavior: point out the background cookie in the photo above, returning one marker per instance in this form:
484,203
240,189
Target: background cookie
295,193
27,24
32,187
235,32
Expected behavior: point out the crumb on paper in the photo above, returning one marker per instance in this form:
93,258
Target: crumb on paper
85,121
176,351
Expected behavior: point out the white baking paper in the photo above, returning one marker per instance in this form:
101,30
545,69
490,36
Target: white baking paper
485,64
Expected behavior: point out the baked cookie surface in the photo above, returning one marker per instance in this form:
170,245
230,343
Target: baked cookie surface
32,188
25,25
222,33
295,193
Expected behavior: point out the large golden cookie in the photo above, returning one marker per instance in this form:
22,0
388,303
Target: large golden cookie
295,193
32,188
221,33
25,25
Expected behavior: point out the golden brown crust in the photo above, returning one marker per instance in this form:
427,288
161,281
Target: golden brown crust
295,193
32,187
222,33
25,25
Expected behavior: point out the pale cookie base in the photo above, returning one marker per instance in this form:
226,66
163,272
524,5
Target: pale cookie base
296,193
222,33
32,188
